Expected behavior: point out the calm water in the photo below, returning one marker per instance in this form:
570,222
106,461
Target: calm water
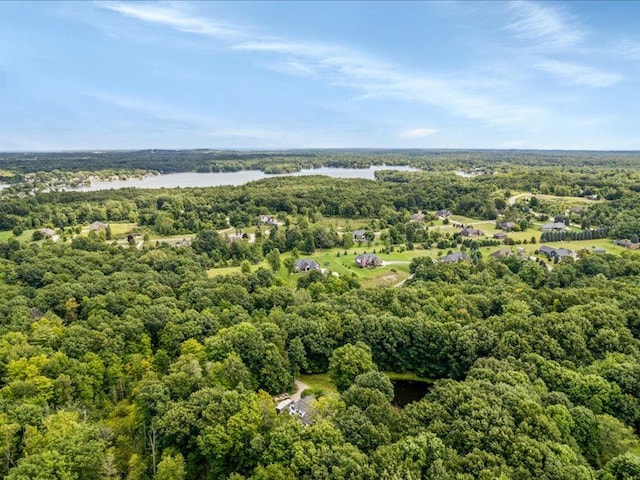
174,180
408,391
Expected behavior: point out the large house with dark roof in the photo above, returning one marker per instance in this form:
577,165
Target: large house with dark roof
471,232
508,226
48,232
455,257
268,220
97,226
360,236
553,253
305,265
368,260
553,227
627,244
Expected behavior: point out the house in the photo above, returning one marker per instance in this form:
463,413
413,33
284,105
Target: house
283,404
553,253
185,242
48,232
501,253
576,210
455,257
97,226
500,236
627,244
305,265
268,220
471,232
302,409
360,236
368,260
444,213
417,217
237,237
598,250
508,226
551,227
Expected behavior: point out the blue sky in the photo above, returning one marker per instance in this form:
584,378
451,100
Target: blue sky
119,75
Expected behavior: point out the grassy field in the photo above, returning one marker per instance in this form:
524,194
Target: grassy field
118,229
26,235
408,376
394,272
341,224
396,264
319,383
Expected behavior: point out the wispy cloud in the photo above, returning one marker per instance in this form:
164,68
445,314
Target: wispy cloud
544,25
418,133
629,49
340,66
577,74
175,16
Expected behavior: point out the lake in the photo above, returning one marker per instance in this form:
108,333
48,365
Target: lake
409,391
174,180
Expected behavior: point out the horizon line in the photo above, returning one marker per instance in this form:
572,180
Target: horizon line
315,149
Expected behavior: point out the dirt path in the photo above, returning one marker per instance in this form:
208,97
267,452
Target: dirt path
300,387
513,199
402,282
395,262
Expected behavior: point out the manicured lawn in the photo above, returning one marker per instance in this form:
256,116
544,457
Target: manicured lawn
409,376
122,228
319,382
387,275
26,235
228,270
172,239
342,225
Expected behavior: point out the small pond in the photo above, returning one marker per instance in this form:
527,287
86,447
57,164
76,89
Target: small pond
409,391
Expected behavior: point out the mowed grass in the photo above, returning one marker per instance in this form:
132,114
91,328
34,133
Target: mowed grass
320,383
118,229
391,274
24,237
397,264
408,376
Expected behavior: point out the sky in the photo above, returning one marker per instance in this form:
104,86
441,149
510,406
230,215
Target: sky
274,75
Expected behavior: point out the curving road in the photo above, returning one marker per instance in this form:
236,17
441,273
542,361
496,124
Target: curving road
300,387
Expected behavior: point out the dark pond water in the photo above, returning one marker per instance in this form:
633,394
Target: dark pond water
408,391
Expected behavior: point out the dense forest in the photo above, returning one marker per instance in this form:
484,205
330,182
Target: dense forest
125,361
170,161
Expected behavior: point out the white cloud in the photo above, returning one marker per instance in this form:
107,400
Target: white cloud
343,67
418,133
544,25
629,49
175,17
577,74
